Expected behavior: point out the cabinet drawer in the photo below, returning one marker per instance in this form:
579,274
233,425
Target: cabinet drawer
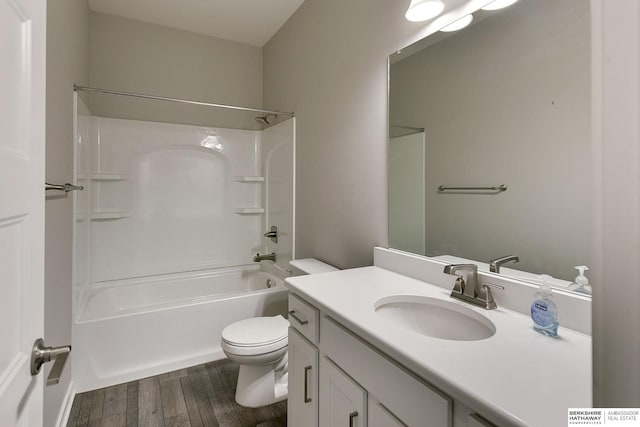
417,405
304,318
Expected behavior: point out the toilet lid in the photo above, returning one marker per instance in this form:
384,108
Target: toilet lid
256,331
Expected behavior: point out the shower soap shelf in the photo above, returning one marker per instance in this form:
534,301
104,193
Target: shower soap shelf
103,215
248,178
105,176
109,177
249,211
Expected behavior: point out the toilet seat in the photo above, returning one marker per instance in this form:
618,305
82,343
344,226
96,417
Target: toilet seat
257,335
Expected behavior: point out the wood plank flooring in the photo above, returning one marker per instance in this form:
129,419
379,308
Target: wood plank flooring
200,396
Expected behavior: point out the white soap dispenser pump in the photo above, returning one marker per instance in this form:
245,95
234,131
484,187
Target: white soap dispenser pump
581,283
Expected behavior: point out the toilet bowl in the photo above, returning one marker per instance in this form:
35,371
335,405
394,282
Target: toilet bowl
259,345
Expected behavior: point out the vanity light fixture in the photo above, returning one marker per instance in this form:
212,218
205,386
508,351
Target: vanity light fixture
498,4
458,24
422,10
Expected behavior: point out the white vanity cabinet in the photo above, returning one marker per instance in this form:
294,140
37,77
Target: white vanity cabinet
356,385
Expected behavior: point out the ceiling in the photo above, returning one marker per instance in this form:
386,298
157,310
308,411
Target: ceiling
252,22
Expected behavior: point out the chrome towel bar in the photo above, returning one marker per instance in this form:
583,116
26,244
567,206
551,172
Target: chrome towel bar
62,187
495,188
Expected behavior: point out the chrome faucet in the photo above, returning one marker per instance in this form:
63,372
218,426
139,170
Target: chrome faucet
467,287
495,264
269,257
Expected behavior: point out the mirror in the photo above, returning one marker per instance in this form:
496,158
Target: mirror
505,101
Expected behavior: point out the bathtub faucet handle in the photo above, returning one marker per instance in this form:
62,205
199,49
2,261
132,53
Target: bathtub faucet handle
269,257
273,234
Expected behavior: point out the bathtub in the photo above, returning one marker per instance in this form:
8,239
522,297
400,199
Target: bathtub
136,328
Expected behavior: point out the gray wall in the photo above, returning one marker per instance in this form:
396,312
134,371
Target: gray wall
139,57
67,63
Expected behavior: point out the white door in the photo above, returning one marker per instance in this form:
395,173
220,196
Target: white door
22,127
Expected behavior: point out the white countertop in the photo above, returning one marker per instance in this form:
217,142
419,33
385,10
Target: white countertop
516,377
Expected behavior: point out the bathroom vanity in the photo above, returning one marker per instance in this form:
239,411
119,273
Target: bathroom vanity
363,351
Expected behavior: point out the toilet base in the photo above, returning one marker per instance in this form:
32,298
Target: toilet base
262,385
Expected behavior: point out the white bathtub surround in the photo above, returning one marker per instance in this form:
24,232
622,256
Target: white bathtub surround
166,229
164,198
495,376
278,158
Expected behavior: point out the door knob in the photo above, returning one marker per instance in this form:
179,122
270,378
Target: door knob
41,355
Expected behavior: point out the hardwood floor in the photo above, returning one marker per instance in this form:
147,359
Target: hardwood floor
200,396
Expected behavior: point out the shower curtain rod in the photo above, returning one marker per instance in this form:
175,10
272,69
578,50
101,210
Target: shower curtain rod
182,101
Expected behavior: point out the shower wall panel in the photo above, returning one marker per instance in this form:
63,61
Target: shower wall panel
165,198
278,152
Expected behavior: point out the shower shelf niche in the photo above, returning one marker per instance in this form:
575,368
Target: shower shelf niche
248,178
249,211
103,215
105,176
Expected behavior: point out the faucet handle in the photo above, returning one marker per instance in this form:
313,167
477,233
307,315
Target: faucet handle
452,268
495,264
488,300
458,288
273,234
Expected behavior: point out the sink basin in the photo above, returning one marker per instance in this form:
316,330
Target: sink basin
435,318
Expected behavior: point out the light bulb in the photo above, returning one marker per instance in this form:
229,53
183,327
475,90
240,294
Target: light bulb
458,24
498,4
422,10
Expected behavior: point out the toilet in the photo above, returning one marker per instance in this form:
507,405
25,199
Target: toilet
259,345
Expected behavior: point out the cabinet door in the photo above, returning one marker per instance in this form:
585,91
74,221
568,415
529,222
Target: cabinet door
343,403
302,404
379,416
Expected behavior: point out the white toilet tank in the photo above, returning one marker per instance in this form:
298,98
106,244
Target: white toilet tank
300,267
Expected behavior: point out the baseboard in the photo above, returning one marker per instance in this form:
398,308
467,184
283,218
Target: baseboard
65,410
84,385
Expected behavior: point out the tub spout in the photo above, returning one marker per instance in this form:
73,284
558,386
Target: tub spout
269,257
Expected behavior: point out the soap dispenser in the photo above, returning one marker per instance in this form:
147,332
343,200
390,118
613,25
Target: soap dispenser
544,311
581,283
